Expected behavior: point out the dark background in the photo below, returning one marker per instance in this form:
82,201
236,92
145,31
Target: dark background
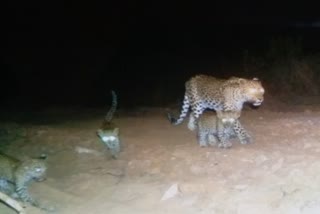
73,53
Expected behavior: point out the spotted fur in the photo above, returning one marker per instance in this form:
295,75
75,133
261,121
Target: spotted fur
16,175
109,132
207,92
219,128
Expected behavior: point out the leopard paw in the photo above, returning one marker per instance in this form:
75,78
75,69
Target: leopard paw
225,145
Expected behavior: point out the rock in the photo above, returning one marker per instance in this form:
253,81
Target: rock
171,192
83,150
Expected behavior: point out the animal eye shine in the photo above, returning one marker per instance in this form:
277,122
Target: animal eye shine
38,169
108,138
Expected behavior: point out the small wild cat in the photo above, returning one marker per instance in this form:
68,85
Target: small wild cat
17,175
109,132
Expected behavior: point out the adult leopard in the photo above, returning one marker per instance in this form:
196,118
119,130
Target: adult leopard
208,92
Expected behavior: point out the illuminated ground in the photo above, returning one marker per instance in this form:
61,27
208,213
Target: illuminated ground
278,174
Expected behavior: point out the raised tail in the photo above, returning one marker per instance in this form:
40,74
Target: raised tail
113,107
183,114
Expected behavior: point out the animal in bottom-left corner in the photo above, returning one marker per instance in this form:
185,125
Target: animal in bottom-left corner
109,132
16,176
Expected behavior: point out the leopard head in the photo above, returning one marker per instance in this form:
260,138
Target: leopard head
228,117
108,135
32,169
253,91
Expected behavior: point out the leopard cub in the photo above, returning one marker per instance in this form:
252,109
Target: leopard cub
109,132
16,175
217,128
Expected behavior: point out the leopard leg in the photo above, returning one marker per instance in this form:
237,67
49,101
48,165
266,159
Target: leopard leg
24,195
241,133
212,140
202,138
197,110
192,123
6,187
222,137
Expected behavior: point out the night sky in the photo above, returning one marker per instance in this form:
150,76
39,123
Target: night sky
74,52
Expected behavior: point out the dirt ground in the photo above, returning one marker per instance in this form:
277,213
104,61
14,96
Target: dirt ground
162,169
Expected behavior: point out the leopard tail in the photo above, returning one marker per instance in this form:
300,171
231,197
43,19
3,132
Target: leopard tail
113,107
183,114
